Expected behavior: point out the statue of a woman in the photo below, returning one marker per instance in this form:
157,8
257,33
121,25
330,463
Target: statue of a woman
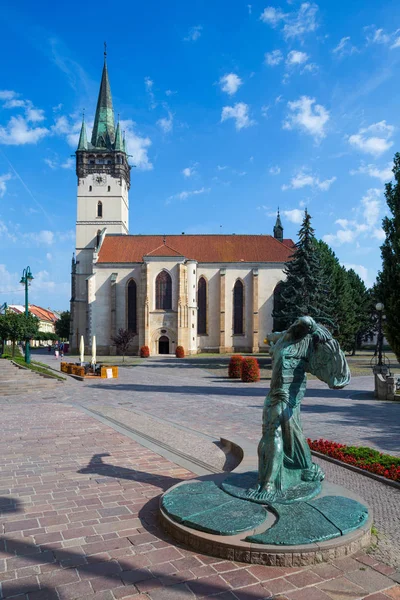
286,472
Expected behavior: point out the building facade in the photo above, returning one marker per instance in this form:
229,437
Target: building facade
203,292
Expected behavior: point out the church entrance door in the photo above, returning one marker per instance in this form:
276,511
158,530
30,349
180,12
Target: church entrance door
163,345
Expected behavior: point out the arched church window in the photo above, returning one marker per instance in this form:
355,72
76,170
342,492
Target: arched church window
90,188
202,306
109,188
238,308
164,291
99,209
132,304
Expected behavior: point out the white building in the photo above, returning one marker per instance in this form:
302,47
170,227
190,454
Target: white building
203,292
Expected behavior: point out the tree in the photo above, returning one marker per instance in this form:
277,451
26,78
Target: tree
305,290
351,303
62,325
15,327
388,282
362,302
122,341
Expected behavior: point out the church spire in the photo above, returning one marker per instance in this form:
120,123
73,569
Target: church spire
278,229
119,144
83,144
104,127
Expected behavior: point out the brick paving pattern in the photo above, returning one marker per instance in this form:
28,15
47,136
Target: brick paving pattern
78,519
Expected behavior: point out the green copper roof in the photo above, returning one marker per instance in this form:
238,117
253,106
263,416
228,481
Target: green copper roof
119,144
83,144
104,127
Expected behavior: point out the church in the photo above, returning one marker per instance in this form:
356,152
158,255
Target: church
207,293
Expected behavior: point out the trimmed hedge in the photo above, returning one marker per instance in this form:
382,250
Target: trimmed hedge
180,352
235,367
144,352
360,456
250,370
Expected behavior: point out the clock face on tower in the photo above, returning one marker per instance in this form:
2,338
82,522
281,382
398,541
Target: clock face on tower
99,179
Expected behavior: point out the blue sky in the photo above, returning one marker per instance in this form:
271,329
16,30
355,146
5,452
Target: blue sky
231,110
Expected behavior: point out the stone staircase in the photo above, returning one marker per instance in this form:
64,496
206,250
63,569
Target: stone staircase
15,380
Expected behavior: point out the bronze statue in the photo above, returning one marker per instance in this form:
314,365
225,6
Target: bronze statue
286,472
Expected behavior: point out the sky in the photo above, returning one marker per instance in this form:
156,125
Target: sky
231,110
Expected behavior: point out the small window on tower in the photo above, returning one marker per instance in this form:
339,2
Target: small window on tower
109,188
90,188
99,209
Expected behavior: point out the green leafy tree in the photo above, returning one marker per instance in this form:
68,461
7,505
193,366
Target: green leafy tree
62,325
122,341
388,282
362,303
306,290
15,327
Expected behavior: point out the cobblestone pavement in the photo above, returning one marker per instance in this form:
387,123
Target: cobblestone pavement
78,506
183,394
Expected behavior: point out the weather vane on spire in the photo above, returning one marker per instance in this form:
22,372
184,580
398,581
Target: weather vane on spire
105,50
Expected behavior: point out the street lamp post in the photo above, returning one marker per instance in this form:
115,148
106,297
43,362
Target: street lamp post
25,280
379,308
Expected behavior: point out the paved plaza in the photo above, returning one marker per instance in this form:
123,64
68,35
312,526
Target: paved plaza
78,499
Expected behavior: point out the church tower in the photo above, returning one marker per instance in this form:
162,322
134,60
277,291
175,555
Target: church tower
278,229
103,176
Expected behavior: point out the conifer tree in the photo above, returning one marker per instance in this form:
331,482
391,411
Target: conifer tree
388,282
305,290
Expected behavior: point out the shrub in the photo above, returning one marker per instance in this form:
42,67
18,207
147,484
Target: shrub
144,352
250,370
180,352
235,367
361,457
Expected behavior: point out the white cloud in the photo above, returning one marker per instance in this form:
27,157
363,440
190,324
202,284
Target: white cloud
265,110
344,48
307,116
304,179
374,139
69,163
166,124
296,57
17,132
49,256
7,95
149,89
272,16
239,112
230,83
377,35
187,193
368,213
193,34
70,129
273,58
44,237
294,216
274,170
189,171
360,270
371,205
296,23
221,167
137,146
3,183
384,174
51,163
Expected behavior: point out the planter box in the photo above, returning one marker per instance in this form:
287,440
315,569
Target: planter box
103,372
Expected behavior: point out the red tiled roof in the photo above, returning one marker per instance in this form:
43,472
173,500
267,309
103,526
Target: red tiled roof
164,250
203,248
42,313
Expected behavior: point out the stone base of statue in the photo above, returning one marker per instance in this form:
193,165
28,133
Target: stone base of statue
220,520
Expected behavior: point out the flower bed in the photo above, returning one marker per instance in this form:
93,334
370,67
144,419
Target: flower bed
362,457
250,370
235,367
